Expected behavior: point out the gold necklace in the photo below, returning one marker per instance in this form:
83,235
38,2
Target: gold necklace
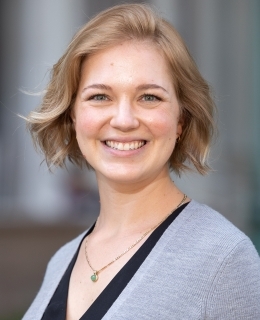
94,276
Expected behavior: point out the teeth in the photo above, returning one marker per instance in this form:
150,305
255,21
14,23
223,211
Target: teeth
125,146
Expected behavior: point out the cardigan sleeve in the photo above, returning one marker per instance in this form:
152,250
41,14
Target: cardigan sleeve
235,293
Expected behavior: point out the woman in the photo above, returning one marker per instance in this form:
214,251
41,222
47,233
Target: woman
127,100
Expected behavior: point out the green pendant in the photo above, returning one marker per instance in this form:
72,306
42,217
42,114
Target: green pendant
94,277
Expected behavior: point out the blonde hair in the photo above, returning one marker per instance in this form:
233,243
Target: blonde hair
51,126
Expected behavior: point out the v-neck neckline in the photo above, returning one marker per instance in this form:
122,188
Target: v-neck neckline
57,306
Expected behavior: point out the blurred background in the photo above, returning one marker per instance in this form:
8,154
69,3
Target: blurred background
40,211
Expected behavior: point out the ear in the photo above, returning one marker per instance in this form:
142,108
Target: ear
72,116
179,126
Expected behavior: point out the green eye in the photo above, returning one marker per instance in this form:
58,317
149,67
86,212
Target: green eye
99,97
150,98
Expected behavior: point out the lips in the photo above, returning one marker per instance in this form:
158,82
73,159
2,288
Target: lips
125,146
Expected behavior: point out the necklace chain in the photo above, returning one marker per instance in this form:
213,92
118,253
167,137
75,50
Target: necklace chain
94,277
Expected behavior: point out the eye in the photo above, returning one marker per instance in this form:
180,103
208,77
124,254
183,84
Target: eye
150,98
98,97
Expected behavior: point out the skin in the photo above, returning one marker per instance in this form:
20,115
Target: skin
127,119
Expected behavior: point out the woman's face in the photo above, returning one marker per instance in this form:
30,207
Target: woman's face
126,113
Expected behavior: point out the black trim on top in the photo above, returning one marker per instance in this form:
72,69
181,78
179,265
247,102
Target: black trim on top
58,304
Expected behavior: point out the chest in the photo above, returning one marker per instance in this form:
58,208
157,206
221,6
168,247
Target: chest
83,292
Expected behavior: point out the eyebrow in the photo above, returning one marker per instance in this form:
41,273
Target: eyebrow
150,86
97,86
140,87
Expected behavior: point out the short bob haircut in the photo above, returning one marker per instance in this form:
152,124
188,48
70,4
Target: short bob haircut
51,125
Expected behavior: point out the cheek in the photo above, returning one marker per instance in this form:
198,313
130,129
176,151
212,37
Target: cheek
86,128
164,129
86,125
164,125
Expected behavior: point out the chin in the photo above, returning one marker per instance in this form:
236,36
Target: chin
129,176
125,178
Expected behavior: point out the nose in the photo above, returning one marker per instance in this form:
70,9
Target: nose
124,117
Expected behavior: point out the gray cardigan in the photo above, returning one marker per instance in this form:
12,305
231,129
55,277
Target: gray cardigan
202,267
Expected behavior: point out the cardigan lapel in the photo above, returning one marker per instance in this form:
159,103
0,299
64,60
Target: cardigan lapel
55,271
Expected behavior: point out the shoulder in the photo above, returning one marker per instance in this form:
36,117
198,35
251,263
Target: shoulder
207,234
209,224
64,255
221,255
55,270
59,263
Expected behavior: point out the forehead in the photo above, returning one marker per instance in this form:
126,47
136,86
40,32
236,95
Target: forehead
138,59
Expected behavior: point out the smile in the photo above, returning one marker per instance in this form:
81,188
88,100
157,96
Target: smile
125,146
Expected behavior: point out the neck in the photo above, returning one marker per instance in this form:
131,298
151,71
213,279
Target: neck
126,208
